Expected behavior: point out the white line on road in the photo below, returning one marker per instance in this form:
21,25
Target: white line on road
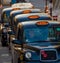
5,55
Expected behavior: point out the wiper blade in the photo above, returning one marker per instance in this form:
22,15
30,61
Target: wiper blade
41,41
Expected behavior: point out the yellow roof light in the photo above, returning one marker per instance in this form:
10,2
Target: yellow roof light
42,23
16,9
33,17
26,11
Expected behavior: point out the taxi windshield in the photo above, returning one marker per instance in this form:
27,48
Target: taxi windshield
42,34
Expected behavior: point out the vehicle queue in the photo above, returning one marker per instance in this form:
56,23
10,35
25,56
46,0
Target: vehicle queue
31,35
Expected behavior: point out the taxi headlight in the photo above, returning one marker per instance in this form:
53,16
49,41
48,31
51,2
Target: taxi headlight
28,55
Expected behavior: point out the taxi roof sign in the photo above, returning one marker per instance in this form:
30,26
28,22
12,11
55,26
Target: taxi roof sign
26,11
33,17
23,5
16,9
42,23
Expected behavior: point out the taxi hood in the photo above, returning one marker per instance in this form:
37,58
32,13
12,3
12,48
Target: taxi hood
43,45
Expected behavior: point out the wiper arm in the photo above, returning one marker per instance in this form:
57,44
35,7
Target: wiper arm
41,41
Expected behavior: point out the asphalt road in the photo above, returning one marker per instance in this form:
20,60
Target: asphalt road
5,56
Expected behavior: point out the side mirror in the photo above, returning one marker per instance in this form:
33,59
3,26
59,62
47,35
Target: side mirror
16,41
10,32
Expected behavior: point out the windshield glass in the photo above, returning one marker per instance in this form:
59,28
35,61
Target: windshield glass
42,34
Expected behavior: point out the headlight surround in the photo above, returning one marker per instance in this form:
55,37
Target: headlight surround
28,55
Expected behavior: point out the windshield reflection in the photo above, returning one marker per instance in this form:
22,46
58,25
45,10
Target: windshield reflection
40,34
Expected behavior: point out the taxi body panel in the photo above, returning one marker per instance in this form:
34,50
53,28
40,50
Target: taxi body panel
33,45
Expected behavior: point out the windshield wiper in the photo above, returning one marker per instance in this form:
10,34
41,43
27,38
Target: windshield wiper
41,41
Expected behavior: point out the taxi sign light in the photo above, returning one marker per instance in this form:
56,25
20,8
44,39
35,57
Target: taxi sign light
26,11
42,23
33,17
16,9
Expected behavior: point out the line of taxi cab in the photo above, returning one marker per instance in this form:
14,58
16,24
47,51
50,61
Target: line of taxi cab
23,11
8,25
5,17
28,17
32,36
47,17
6,11
36,42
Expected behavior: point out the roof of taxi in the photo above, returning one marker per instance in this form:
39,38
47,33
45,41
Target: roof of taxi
19,5
9,8
34,22
27,5
5,9
26,15
17,11
14,6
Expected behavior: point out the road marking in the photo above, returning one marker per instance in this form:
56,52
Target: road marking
5,55
6,62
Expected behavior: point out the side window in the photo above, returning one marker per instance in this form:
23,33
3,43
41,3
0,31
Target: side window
5,17
57,30
51,32
2,18
14,21
10,20
19,35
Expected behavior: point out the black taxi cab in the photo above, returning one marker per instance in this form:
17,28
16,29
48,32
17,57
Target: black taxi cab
36,42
